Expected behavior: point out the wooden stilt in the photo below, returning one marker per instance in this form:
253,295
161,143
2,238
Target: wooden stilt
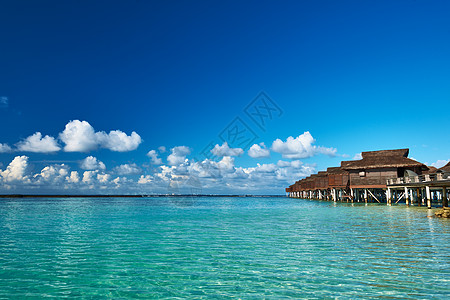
444,197
389,199
427,189
406,196
419,201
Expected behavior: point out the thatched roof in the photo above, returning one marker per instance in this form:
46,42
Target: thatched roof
431,170
383,159
395,152
336,170
445,168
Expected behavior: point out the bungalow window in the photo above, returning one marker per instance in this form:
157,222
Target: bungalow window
362,174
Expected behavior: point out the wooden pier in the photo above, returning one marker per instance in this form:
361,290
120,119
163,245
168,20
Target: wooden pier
386,176
420,188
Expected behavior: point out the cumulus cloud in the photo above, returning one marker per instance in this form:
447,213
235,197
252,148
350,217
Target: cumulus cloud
300,147
80,136
5,148
127,169
103,178
178,155
145,179
92,163
39,144
440,163
183,175
258,151
73,178
89,176
16,170
52,174
58,178
225,150
119,141
154,157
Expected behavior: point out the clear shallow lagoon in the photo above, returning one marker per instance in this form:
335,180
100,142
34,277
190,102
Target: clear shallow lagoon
220,247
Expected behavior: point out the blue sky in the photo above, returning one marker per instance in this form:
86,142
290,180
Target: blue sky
338,77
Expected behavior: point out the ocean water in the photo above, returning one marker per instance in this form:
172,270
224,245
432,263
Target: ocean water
248,248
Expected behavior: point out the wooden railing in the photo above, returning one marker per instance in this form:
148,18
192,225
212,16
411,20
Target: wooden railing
435,177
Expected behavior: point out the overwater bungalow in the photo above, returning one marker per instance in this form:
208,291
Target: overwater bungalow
379,176
368,176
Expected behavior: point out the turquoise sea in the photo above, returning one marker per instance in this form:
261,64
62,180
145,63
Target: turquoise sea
249,248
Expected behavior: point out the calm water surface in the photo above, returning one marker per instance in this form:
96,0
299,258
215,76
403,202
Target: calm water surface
220,248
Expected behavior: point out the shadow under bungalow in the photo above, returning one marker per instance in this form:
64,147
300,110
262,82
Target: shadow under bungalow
386,176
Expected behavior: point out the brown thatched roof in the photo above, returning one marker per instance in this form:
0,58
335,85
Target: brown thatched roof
395,152
383,159
445,168
336,170
430,170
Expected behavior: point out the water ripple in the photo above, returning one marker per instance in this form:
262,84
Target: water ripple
220,247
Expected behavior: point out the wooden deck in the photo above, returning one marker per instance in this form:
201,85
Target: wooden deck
427,187
432,180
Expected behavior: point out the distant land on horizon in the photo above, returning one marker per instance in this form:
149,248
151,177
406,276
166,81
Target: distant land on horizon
131,196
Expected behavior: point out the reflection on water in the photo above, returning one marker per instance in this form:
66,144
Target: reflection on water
226,247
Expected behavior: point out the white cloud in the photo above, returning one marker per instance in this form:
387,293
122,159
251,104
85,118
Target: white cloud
145,179
127,169
225,150
80,136
39,144
119,141
178,155
154,157
5,148
440,163
89,176
226,164
184,176
103,178
258,151
52,174
92,163
116,181
357,156
162,149
16,170
73,178
300,147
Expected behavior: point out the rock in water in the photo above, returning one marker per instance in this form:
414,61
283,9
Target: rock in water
443,212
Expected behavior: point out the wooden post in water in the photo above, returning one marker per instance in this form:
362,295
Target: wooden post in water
419,201
427,189
406,196
444,197
389,199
